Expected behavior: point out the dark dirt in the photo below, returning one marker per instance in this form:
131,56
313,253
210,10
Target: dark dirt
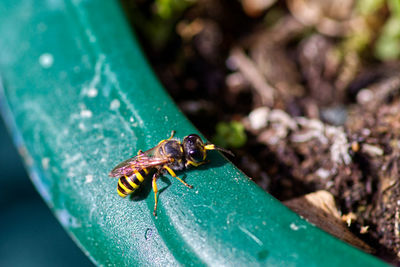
320,110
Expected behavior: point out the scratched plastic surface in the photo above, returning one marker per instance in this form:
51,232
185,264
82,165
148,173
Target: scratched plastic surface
79,97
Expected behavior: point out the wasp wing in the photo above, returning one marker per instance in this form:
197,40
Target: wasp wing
139,162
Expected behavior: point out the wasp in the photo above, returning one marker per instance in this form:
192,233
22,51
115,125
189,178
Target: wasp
168,156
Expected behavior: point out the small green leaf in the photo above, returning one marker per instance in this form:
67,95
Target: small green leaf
168,9
230,134
388,43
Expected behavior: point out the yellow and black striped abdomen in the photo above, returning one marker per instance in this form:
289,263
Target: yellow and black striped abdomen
128,184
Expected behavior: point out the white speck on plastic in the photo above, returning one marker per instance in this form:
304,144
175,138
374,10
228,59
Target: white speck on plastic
115,104
295,227
45,163
46,60
91,37
85,113
89,178
92,92
81,126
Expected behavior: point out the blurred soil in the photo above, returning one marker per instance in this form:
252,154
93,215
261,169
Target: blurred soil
307,91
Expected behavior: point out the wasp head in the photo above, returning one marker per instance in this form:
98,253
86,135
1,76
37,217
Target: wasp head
196,150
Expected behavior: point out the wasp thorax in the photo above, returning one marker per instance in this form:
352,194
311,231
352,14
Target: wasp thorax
194,148
173,150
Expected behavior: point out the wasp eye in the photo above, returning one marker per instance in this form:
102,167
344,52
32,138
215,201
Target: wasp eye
196,155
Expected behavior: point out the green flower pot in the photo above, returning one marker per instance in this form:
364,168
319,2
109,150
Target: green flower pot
79,97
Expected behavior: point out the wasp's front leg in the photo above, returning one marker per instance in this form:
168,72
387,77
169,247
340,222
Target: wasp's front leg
170,171
196,164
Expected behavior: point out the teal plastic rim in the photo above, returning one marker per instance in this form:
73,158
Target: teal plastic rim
78,97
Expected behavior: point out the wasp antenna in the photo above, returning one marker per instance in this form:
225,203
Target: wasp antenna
210,147
214,147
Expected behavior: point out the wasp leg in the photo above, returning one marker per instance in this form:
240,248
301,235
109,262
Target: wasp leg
189,162
170,171
155,189
172,134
